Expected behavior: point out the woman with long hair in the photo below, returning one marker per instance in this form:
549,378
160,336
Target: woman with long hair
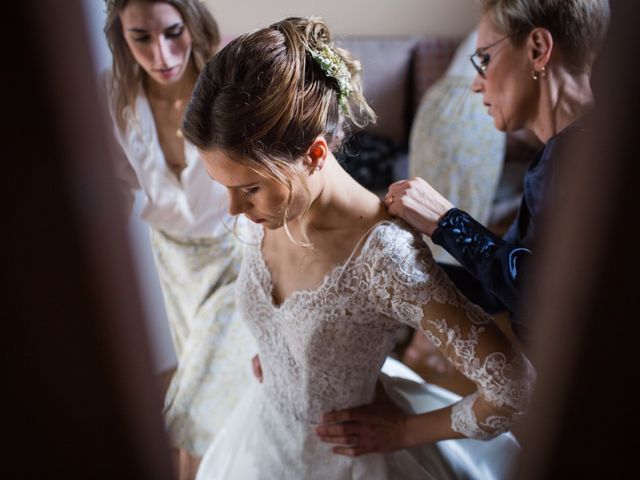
158,48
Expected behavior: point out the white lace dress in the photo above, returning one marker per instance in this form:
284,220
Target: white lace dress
322,350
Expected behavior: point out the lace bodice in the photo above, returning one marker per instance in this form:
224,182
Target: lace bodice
322,349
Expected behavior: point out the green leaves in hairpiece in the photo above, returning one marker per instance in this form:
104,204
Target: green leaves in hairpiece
334,67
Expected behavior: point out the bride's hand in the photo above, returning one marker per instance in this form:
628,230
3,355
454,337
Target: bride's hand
257,368
379,427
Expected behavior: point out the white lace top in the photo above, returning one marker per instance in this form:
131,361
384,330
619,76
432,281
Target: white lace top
322,350
189,206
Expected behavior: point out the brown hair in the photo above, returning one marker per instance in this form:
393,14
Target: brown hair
127,74
263,99
578,27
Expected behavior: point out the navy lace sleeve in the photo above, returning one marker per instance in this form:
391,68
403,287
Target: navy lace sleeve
496,263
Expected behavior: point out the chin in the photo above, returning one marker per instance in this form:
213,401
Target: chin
167,81
500,125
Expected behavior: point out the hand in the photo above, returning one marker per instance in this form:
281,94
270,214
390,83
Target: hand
417,203
377,427
257,368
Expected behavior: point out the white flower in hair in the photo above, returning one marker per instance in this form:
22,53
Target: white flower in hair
334,67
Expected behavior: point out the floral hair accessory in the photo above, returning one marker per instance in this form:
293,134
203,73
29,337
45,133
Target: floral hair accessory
334,67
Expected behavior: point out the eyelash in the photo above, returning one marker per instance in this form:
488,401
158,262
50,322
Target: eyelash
249,192
172,34
175,33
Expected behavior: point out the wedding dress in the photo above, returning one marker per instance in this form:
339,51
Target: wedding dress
323,349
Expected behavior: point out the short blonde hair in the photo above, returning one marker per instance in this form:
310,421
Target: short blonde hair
578,27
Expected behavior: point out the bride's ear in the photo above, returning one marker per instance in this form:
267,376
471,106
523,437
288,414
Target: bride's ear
316,155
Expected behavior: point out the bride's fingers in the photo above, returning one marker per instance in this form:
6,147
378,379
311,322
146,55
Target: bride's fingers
338,430
358,414
257,368
348,441
352,451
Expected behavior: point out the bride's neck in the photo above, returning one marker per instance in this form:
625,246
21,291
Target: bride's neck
340,200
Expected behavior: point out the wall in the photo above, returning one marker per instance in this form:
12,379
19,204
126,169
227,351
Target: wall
354,17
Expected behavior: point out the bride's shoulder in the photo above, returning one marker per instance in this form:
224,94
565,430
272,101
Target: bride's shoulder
394,236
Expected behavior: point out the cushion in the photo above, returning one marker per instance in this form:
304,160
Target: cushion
386,65
370,159
432,57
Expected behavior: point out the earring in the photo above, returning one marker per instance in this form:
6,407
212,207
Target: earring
317,168
537,74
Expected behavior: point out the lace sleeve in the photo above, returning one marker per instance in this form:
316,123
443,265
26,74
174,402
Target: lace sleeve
408,286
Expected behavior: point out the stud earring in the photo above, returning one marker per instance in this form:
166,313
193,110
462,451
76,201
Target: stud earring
538,74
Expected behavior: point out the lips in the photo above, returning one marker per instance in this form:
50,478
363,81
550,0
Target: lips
167,72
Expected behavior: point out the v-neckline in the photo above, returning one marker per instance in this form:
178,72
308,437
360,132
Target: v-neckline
327,279
176,179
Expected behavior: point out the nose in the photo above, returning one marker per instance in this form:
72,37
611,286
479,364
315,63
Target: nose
237,204
162,51
477,86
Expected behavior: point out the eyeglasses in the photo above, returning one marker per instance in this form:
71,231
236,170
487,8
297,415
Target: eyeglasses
480,58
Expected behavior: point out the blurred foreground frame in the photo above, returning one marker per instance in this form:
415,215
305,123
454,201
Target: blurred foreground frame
81,399
583,303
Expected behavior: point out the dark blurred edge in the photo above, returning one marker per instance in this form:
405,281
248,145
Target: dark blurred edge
584,301
80,401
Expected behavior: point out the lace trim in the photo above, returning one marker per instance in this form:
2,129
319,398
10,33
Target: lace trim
322,348
502,383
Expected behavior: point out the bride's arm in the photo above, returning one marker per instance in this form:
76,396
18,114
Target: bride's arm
474,344
480,350
405,284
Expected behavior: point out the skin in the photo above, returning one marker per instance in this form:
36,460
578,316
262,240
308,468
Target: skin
161,45
515,101
340,214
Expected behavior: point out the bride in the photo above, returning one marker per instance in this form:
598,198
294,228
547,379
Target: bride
328,279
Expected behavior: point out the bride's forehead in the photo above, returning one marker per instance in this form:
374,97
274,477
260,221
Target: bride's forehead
224,169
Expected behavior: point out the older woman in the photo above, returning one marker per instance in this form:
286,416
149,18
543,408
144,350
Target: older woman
158,48
533,62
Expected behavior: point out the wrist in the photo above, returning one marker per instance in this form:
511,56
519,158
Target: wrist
413,428
443,212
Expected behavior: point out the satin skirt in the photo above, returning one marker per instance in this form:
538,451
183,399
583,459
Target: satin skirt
260,442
